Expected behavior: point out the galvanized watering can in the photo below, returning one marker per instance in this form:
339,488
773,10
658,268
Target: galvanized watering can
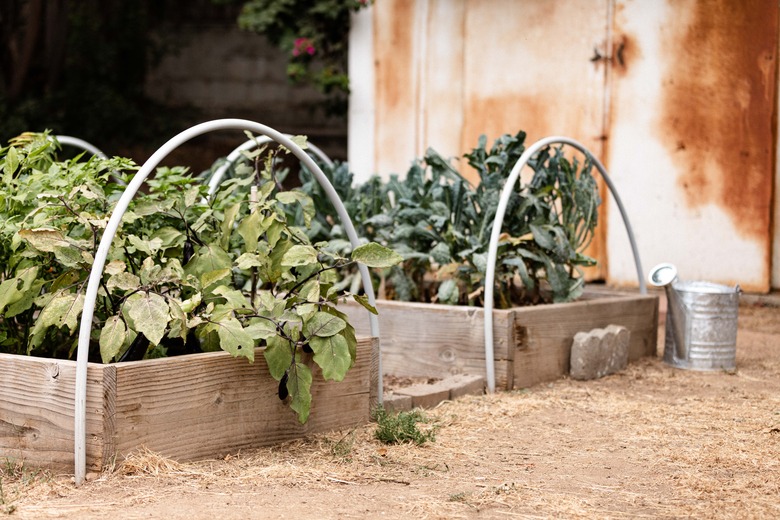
701,321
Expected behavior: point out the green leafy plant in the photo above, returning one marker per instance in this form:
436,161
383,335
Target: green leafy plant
402,427
441,224
185,273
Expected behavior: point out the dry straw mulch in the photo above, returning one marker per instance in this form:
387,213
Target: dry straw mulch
652,442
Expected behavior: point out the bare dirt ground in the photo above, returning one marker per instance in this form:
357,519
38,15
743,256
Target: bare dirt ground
651,442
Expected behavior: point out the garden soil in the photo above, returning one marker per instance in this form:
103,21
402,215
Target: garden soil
651,442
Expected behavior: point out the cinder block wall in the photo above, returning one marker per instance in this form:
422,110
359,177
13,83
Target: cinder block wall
222,71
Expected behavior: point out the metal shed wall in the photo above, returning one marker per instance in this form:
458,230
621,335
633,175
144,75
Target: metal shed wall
678,98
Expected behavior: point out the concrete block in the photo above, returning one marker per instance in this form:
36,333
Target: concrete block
462,384
394,403
452,387
599,352
425,396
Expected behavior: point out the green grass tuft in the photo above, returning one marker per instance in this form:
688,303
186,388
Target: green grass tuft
402,427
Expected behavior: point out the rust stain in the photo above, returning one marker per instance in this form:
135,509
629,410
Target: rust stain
718,108
625,51
394,49
395,83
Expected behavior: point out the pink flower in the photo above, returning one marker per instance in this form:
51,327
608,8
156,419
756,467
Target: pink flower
302,45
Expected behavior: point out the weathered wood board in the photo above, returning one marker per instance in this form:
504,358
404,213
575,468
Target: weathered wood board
531,344
429,340
186,407
544,333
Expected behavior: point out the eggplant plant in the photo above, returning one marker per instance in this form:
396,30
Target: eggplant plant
441,224
185,273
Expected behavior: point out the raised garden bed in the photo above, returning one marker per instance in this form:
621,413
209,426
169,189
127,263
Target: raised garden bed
186,407
531,344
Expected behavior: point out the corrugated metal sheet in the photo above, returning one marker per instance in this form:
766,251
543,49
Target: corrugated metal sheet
677,96
692,135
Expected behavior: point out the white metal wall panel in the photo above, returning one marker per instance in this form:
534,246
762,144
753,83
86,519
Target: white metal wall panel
396,42
680,106
443,77
362,99
528,66
691,139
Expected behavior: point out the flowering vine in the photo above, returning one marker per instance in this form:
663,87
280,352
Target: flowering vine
314,35
303,46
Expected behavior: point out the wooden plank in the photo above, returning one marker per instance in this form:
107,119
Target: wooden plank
545,332
187,407
430,340
208,405
37,412
109,415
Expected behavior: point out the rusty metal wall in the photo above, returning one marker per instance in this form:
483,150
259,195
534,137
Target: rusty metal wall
448,71
676,96
528,66
692,136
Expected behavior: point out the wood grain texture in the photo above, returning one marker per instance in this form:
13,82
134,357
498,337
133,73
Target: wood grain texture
37,412
209,405
186,407
373,389
431,340
545,333
532,344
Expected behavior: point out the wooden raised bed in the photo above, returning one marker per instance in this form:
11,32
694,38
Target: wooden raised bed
531,344
186,407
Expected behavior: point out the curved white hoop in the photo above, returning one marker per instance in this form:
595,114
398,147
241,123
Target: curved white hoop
498,222
96,273
235,155
82,144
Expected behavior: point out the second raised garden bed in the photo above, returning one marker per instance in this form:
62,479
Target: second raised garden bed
531,344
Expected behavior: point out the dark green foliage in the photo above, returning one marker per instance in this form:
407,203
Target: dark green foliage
402,427
441,225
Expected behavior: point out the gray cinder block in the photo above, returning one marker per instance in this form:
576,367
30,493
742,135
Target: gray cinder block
599,352
394,403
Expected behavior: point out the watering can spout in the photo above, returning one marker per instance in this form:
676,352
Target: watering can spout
664,275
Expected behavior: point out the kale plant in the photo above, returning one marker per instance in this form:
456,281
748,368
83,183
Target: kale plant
441,224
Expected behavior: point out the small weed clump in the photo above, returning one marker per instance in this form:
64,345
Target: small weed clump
16,478
402,427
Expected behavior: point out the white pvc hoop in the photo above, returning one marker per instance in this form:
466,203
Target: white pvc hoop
498,222
236,154
82,144
95,275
